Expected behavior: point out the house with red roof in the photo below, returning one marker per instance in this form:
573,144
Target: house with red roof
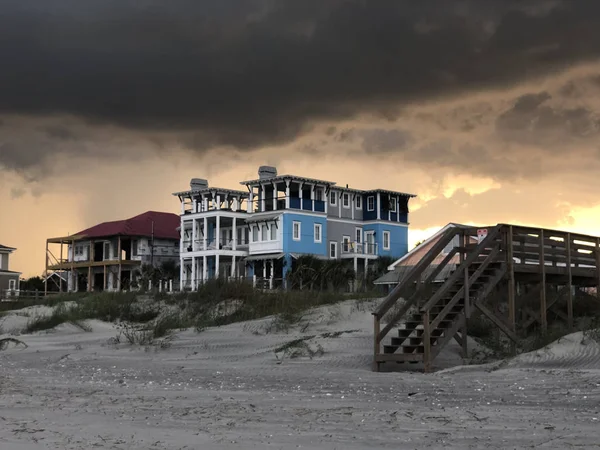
107,256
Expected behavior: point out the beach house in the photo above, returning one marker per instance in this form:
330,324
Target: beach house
258,232
9,280
107,256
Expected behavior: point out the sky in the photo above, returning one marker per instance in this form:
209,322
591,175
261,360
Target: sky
488,110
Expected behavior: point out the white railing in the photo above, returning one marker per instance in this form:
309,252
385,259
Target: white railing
358,248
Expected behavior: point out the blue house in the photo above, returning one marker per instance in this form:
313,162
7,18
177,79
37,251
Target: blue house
259,232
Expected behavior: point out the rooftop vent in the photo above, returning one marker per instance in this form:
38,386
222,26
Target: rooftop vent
198,184
267,172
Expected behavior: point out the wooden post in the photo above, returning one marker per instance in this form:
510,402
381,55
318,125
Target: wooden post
426,343
60,280
465,239
465,350
511,283
598,268
542,262
120,266
569,284
376,330
46,272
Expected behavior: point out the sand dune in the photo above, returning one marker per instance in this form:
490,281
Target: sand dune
227,388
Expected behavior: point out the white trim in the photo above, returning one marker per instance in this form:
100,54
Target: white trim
294,223
373,198
305,213
320,227
11,274
389,239
334,243
343,197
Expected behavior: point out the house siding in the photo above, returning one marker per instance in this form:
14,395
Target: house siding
307,243
4,261
398,239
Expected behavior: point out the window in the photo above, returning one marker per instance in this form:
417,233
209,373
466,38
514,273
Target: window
346,244
333,250
239,236
358,235
107,250
370,203
319,195
134,247
386,240
346,200
392,204
273,232
333,198
318,229
255,233
296,231
12,285
264,233
359,202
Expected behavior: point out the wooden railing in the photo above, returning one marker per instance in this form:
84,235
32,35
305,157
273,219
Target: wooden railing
406,286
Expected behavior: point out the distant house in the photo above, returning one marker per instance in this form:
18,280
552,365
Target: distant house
9,280
105,257
403,265
260,232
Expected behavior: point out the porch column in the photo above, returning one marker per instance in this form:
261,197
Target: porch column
193,273
301,185
205,233
263,197
264,269
326,198
181,273
366,267
182,206
204,202
233,266
355,265
312,197
194,234
287,194
250,205
218,202
217,262
204,269
274,196
234,232
378,206
272,274
218,233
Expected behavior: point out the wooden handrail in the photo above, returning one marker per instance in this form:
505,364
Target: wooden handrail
458,273
415,272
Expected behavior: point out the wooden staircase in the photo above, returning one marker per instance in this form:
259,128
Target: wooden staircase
432,321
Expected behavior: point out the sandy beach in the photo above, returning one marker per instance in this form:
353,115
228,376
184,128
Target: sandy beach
227,388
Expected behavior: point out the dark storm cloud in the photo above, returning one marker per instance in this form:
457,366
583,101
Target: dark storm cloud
534,120
251,73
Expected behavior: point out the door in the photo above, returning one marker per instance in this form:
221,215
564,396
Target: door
370,242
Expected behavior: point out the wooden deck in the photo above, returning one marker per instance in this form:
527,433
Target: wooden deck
537,261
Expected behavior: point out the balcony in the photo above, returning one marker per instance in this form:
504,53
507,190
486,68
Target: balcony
350,249
304,204
202,245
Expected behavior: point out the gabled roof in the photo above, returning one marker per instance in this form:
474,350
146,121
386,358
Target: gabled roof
164,225
4,248
419,252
